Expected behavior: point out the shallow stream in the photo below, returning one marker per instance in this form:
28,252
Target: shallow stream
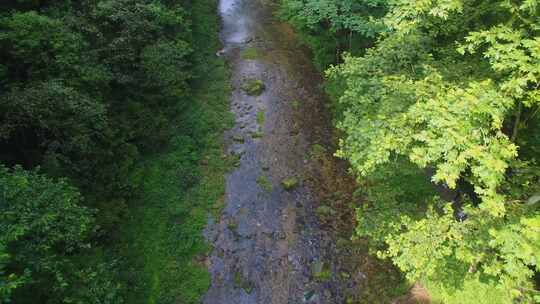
270,245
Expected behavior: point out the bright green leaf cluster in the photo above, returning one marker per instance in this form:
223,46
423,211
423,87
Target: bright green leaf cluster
450,89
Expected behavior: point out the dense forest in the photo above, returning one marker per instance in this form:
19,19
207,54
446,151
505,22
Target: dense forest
112,114
107,108
437,106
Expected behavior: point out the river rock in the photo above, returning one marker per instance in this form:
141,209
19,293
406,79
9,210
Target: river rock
290,183
238,138
253,87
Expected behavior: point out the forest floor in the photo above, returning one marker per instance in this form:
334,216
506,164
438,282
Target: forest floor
284,235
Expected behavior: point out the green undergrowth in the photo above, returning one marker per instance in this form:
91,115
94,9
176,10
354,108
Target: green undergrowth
162,241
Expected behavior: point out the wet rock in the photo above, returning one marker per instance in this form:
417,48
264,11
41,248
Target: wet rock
232,226
280,235
238,151
290,183
253,87
264,182
345,275
238,138
257,134
310,296
241,282
327,294
243,211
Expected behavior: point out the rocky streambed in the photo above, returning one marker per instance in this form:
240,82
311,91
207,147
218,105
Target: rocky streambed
283,235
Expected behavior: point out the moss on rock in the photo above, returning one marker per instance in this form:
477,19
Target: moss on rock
254,87
290,183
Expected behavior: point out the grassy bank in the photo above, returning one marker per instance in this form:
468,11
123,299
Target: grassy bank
162,240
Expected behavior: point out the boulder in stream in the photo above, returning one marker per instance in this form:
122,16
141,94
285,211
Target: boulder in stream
290,183
253,87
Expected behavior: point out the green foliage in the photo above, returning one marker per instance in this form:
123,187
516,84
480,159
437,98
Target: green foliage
37,224
354,15
331,27
91,91
447,92
113,75
65,124
164,237
181,185
385,191
43,226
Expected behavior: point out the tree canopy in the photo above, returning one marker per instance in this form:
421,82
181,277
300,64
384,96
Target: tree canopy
86,89
450,88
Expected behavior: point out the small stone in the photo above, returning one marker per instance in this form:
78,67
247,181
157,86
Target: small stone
327,294
238,138
239,151
257,134
254,87
241,282
290,183
309,295
280,235
345,275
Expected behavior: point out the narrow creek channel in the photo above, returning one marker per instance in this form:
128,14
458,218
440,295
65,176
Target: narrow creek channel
269,244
